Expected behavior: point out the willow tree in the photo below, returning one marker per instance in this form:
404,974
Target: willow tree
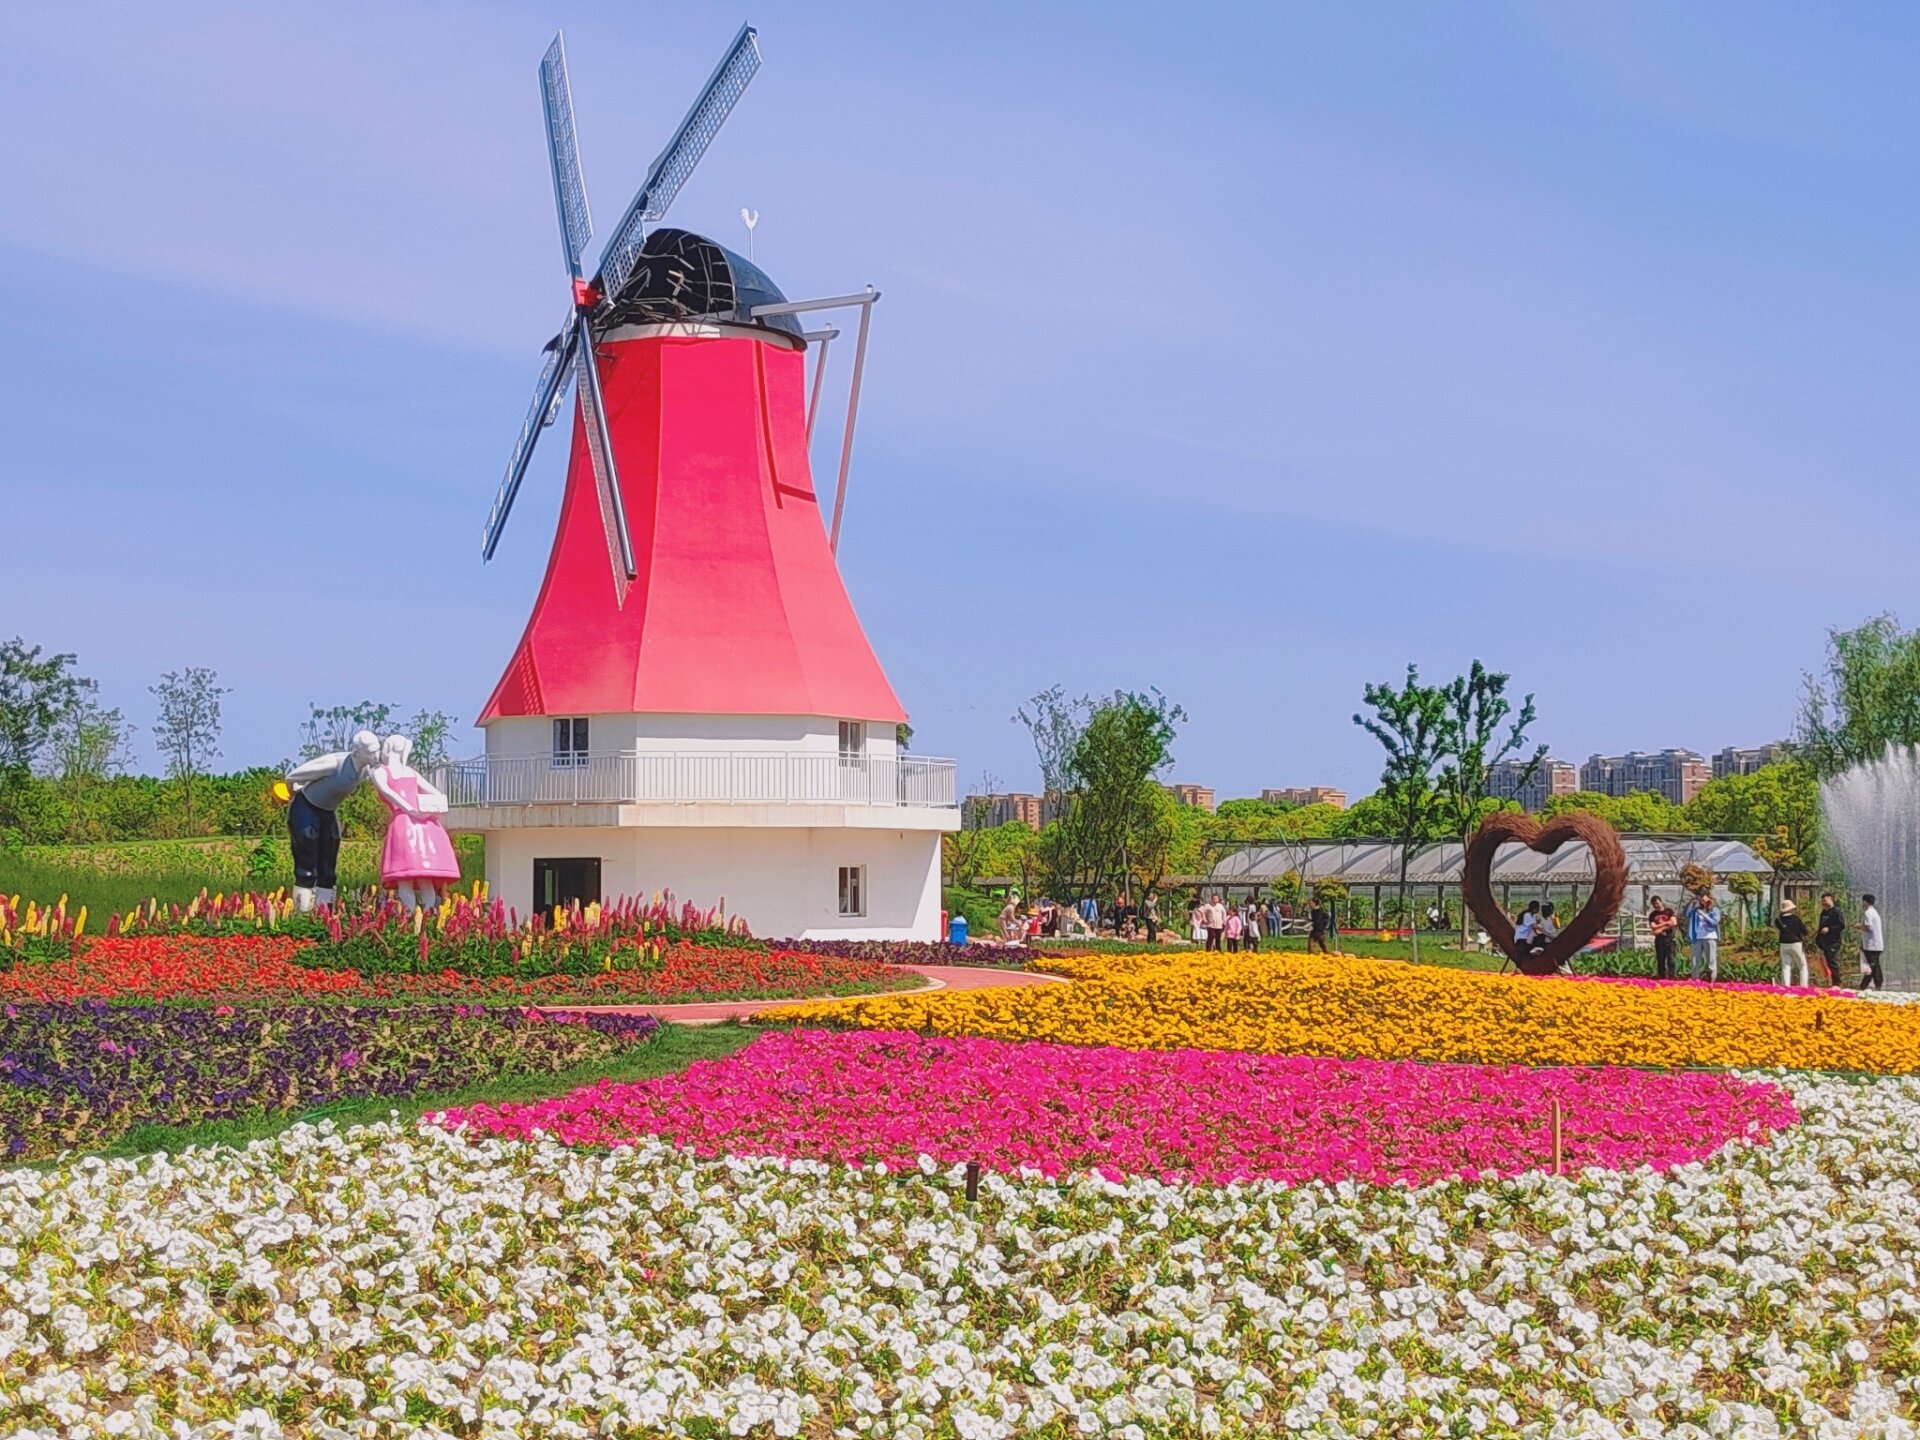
1867,702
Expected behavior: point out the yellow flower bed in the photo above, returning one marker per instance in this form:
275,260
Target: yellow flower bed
1096,966
1309,1005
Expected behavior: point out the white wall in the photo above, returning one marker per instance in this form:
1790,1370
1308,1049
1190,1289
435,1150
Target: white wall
784,882
612,734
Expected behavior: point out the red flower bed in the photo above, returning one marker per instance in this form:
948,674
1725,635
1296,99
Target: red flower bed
237,967
173,967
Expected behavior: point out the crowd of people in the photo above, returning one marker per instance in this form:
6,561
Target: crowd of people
1830,928
1213,922
1699,924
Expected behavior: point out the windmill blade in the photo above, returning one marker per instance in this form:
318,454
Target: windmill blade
559,394
676,162
546,397
563,153
613,510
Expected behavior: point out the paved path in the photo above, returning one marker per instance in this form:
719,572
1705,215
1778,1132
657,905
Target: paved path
939,977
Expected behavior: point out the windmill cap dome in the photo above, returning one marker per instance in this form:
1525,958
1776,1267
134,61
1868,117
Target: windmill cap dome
684,276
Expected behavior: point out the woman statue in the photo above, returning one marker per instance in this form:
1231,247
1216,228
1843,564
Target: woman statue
417,859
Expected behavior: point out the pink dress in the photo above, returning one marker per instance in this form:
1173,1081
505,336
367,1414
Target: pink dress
415,849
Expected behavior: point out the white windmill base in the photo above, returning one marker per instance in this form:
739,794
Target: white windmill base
782,878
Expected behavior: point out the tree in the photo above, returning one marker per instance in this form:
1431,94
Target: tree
1776,809
1478,707
1056,724
1258,818
36,695
1640,812
1112,824
1379,816
961,851
187,731
1746,888
88,748
1314,822
332,727
431,732
1414,726
1870,699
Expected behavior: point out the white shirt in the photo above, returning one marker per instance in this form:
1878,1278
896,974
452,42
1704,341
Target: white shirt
1872,935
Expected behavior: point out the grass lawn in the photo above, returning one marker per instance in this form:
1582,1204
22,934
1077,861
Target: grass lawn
673,1047
116,876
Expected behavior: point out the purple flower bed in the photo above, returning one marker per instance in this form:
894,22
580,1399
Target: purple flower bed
79,1076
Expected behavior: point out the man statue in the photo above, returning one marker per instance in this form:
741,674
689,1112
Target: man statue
320,786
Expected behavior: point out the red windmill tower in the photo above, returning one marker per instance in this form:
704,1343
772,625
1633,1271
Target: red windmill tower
694,706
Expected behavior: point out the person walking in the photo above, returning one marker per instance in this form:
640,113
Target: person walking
1319,922
1663,923
1793,943
1216,922
1703,930
1873,944
1827,933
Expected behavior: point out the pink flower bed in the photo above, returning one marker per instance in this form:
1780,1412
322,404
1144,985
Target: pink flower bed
1210,1116
1757,987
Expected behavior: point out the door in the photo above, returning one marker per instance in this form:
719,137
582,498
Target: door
558,884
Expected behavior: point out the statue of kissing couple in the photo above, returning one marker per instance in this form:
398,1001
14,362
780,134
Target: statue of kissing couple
417,860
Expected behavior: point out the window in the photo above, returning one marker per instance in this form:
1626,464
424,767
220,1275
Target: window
569,742
853,889
853,742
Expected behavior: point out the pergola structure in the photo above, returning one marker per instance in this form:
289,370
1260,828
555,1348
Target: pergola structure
1654,865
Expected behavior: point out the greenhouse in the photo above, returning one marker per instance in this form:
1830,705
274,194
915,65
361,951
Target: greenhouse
1654,867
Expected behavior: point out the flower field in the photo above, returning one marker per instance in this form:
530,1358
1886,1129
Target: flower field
269,967
82,1075
1220,1196
400,1280
1294,1004
1180,1115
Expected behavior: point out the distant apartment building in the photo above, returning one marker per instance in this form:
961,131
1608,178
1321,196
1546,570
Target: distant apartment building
1198,796
1676,774
1733,761
1509,780
983,812
1299,795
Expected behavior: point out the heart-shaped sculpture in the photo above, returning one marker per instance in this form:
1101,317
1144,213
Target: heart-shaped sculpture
1609,882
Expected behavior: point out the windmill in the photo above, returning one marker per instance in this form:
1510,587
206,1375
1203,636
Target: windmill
625,281
693,705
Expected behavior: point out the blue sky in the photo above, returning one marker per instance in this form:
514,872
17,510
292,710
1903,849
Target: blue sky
1247,354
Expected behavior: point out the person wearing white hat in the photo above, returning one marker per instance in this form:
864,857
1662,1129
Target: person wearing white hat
1793,943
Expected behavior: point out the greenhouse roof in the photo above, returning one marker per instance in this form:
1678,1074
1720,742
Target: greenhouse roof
1651,860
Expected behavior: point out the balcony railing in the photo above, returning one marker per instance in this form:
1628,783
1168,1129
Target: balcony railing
682,777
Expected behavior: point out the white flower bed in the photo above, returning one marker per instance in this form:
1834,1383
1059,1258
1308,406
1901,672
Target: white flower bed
399,1281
